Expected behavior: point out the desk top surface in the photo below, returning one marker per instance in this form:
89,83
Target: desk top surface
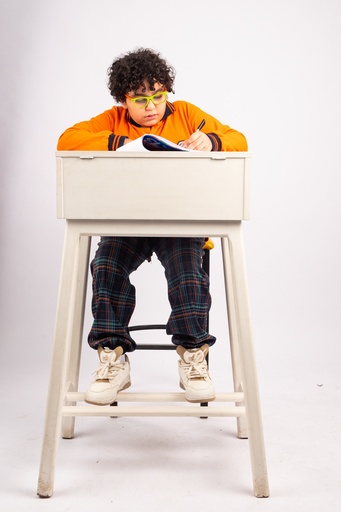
215,155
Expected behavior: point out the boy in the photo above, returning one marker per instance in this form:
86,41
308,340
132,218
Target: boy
140,82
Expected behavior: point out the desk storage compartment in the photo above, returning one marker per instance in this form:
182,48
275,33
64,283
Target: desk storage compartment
145,186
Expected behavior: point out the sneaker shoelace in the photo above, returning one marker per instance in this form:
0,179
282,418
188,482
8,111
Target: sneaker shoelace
196,367
108,369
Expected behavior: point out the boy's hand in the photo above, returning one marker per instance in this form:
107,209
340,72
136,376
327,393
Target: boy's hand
198,141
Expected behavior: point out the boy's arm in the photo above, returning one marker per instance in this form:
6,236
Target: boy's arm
95,135
222,137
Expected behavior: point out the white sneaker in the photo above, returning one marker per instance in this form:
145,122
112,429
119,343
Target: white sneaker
112,376
194,377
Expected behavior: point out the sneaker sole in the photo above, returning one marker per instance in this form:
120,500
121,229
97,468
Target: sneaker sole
197,400
92,402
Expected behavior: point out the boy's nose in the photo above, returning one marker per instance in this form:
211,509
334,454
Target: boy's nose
150,105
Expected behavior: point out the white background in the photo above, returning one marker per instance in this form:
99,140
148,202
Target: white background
268,68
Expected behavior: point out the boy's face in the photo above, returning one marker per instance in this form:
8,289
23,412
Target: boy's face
150,114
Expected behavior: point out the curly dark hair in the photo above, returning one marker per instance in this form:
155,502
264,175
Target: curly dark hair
129,71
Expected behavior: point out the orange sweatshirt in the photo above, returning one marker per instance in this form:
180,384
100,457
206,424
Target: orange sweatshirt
109,130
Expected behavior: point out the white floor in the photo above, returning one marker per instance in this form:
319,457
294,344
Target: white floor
180,464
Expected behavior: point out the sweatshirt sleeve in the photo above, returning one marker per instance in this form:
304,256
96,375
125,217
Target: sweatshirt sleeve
227,140
96,134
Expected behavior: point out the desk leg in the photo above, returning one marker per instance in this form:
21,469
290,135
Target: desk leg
68,422
242,430
62,342
234,251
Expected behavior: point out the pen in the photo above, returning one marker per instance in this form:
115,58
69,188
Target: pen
198,130
201,125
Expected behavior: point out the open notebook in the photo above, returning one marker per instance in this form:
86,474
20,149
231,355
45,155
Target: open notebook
150,142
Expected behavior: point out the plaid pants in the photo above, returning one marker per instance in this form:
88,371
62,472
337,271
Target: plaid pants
113,299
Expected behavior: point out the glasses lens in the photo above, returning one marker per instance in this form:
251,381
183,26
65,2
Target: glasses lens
140,102
159,98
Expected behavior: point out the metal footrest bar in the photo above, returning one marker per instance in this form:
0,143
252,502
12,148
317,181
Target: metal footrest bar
147,327
154,346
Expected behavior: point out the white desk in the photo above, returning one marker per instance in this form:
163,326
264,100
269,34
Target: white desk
151,194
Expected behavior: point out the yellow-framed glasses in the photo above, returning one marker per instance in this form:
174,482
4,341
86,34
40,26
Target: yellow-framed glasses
143,101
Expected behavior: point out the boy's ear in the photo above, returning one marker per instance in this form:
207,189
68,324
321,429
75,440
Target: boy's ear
124,104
